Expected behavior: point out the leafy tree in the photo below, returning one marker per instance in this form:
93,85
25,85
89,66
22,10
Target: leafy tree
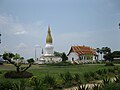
116,54
103,51
58,54
64,57
106,50
16,60
30,61
109,57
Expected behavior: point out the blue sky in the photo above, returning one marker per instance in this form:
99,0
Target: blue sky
23,24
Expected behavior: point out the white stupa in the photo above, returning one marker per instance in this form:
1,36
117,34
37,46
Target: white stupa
49,47
48,56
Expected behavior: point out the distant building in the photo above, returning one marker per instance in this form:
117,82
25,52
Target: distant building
48,56
81,54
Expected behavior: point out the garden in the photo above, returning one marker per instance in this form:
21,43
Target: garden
60,77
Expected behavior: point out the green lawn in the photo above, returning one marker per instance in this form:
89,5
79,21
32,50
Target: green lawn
42,70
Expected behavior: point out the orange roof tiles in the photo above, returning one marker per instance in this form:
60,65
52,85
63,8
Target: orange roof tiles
80,50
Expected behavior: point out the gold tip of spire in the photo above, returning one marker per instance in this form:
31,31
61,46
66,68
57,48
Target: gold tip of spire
49,37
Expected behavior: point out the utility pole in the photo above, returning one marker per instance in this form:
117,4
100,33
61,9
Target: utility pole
36,46
0,38
119,25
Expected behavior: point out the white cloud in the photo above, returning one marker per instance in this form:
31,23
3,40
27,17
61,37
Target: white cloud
9,25
3,19
15,33
21,32
21,46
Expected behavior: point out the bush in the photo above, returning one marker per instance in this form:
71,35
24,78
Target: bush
83,87
96,87
6,85
99,72
61,64
109,64
89,76
111,86
36,83
14,74
67,79
21,85
1,63
77,79
106,80
49,81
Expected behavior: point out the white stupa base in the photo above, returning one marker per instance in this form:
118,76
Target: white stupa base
48,54
48,59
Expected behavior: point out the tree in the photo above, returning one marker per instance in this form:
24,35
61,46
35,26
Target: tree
30,61
103,51
109,57
106,50
116,54
64,57
58,54
16,60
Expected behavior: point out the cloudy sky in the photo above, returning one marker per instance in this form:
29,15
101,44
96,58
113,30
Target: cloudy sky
23,24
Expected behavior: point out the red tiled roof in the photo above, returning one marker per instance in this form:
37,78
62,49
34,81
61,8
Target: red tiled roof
80,50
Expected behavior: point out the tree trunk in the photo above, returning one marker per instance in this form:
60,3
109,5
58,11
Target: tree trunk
27,68
18,69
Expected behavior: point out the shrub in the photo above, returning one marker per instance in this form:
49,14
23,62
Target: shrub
97,76
104,71
99,72
6,85
111,86
61,64
21,85
96,87
67,79
116,68
109,64
83,87
77,79
36,83
49,81
14,74
1,63
117,79
89,76
106,80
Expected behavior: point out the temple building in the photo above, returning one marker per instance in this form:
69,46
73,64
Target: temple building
80,54
48,56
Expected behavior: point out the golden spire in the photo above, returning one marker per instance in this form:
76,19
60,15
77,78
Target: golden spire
49,37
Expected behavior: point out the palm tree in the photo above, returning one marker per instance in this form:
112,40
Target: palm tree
106,50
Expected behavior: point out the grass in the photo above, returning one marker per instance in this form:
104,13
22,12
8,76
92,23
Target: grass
42,70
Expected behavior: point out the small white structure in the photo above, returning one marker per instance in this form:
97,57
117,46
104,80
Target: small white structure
81,54
48,56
